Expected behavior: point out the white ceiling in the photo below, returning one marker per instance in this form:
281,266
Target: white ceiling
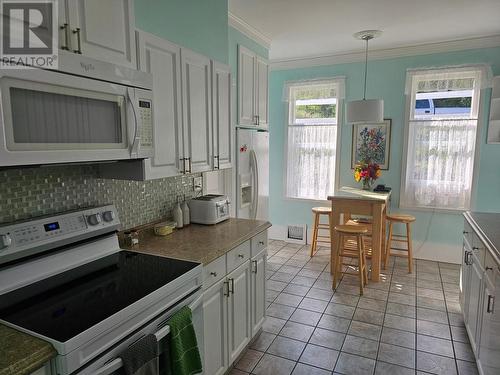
307,28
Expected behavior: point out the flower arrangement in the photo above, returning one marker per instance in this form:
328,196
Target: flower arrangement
366,172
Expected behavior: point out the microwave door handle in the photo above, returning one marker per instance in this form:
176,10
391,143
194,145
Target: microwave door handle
135,142
117,363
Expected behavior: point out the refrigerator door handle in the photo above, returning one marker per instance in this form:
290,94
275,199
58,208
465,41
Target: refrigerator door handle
255,184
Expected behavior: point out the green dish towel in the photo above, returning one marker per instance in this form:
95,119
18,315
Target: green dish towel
184,354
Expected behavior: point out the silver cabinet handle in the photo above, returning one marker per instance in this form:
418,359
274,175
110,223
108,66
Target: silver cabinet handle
66,36
231,286
255,266
216,161
258,120
183,161
241,256
78,41
226,283
190,166
491,304
466,258
214,274
255,120
261,243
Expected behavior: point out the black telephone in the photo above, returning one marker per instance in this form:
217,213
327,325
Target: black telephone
382,188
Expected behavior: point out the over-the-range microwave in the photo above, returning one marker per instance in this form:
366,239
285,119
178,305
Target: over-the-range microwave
86,111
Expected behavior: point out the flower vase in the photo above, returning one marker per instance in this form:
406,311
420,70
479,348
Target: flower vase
366,184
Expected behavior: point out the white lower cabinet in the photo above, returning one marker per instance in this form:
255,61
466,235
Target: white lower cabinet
215,334
258,291
238,310
234,306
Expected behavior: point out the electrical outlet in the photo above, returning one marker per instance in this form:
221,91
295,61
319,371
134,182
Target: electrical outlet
197,184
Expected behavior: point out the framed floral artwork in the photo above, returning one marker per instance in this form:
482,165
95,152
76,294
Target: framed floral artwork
371,142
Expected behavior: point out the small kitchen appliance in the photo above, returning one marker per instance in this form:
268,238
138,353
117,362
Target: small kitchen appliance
64,279
209,209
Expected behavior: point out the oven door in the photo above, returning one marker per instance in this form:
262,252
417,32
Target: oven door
51,117
110,362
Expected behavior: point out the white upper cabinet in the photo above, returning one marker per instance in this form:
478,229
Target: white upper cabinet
262,90
253,82
197,116
221,112
162,59
246,87
104,30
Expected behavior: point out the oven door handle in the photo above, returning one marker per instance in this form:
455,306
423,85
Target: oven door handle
117,363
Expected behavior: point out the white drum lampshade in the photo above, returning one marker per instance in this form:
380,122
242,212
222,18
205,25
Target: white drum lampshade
365,110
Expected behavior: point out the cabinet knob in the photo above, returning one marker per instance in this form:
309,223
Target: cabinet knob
261,243
241,256
214,274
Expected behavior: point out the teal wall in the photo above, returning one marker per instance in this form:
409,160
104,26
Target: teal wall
200,25
386,79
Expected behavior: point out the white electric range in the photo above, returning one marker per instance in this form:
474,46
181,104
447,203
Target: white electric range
64,279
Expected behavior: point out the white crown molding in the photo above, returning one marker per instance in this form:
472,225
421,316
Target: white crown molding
387,53
248,30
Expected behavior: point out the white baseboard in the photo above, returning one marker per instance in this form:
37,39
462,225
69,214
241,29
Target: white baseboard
426,251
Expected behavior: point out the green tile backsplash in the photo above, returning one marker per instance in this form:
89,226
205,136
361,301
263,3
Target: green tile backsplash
30,192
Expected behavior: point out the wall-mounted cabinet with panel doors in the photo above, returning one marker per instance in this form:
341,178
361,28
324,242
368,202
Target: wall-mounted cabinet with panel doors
253,87
234,302
103,30
191,113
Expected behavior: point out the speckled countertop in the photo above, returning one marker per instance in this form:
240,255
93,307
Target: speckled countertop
21,353
199,243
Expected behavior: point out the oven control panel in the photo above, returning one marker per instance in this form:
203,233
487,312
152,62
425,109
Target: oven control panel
41,234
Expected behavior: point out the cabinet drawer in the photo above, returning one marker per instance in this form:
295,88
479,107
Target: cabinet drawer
478,249
214,271
468,232
238,256
259,243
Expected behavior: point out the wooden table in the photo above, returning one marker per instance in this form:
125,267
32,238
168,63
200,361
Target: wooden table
349,201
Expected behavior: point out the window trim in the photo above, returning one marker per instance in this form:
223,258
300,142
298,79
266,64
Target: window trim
340,82
474,182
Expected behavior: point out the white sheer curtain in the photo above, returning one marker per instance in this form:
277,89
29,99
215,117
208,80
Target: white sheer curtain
311,161
440,163
312,137
440,155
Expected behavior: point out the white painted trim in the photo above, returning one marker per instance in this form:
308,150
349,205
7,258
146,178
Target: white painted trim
421,249
387,53
248,30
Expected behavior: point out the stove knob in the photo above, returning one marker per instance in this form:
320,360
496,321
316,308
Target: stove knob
94,219
108,216
5,241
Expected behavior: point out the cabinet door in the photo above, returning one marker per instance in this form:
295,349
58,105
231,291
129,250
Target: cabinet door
246,86
107,30
197,117
215,328
258,302
262,92
162,59
221,108
475,304
239,310
489,347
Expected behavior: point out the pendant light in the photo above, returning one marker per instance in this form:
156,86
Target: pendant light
365,110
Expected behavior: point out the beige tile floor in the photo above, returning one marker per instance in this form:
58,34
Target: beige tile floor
406,324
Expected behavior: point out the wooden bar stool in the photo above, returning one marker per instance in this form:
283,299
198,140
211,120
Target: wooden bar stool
350,244
401,219
318,225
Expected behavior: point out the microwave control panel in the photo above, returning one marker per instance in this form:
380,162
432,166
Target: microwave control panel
146,116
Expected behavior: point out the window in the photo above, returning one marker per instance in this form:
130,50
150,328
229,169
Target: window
442,127
312,138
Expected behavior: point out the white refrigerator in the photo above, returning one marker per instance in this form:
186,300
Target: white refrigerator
252,173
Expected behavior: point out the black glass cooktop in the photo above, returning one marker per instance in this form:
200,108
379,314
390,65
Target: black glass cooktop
66,305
